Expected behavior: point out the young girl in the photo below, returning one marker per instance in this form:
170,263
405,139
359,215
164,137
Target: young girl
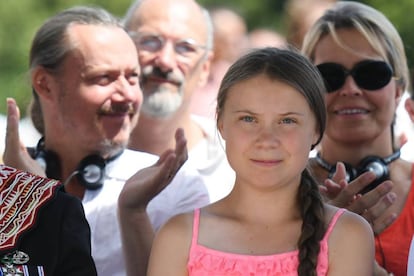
271,113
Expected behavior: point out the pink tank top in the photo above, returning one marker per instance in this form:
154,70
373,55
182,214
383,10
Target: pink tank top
205,261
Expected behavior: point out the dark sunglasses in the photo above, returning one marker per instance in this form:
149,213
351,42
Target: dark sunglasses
367,74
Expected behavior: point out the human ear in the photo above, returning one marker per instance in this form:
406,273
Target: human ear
398,94
205,69
220,128
42,81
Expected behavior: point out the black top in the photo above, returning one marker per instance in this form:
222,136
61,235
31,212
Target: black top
60,239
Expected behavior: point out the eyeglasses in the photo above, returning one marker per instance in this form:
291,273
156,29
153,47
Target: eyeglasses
367,74
186,48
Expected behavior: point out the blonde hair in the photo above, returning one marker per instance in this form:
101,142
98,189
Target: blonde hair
369,22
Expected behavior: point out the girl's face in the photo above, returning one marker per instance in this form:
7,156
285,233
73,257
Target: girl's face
269,129
355,114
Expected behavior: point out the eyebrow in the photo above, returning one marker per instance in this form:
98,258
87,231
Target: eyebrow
281,114
90,70
189,40
107,67
293,113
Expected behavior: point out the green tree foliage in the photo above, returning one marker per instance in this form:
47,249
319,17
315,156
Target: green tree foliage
263,13
399,13
19,19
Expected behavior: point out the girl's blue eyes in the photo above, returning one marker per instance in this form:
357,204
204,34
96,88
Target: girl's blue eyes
250,119
247,118
288,121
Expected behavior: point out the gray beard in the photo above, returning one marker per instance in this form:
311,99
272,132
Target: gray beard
110,148
162,103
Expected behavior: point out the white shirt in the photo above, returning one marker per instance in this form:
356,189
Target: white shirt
185,193
404,126
410,264
208,157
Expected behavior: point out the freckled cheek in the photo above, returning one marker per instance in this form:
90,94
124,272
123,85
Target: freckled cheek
236,153
299,150
237,141
298,139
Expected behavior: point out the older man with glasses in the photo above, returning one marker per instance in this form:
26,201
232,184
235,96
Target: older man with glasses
174,39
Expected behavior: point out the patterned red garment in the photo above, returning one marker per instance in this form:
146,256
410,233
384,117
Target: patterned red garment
22,195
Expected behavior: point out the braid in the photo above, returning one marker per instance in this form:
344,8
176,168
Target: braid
313,227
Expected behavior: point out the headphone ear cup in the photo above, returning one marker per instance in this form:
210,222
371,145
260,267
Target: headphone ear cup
376,165
91,171
50,162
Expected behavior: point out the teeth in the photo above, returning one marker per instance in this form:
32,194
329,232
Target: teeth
352,111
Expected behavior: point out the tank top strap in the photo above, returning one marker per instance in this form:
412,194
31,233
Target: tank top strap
333,222
196,222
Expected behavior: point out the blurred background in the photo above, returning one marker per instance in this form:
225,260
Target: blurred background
19,20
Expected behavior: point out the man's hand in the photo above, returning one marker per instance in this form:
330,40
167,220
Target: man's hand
370,205
15,153
136,229
149,182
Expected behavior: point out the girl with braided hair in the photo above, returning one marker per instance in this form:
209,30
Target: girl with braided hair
271,113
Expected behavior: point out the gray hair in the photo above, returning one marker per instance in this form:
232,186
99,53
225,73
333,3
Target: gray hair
129,17
50,46
210,29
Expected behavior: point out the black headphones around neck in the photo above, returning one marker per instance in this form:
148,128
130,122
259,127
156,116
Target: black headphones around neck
371,163
90,172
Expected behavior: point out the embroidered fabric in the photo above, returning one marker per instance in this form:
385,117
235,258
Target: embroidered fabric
205,261
22,195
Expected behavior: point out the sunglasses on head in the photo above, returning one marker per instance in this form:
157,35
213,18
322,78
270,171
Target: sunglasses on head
367,74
